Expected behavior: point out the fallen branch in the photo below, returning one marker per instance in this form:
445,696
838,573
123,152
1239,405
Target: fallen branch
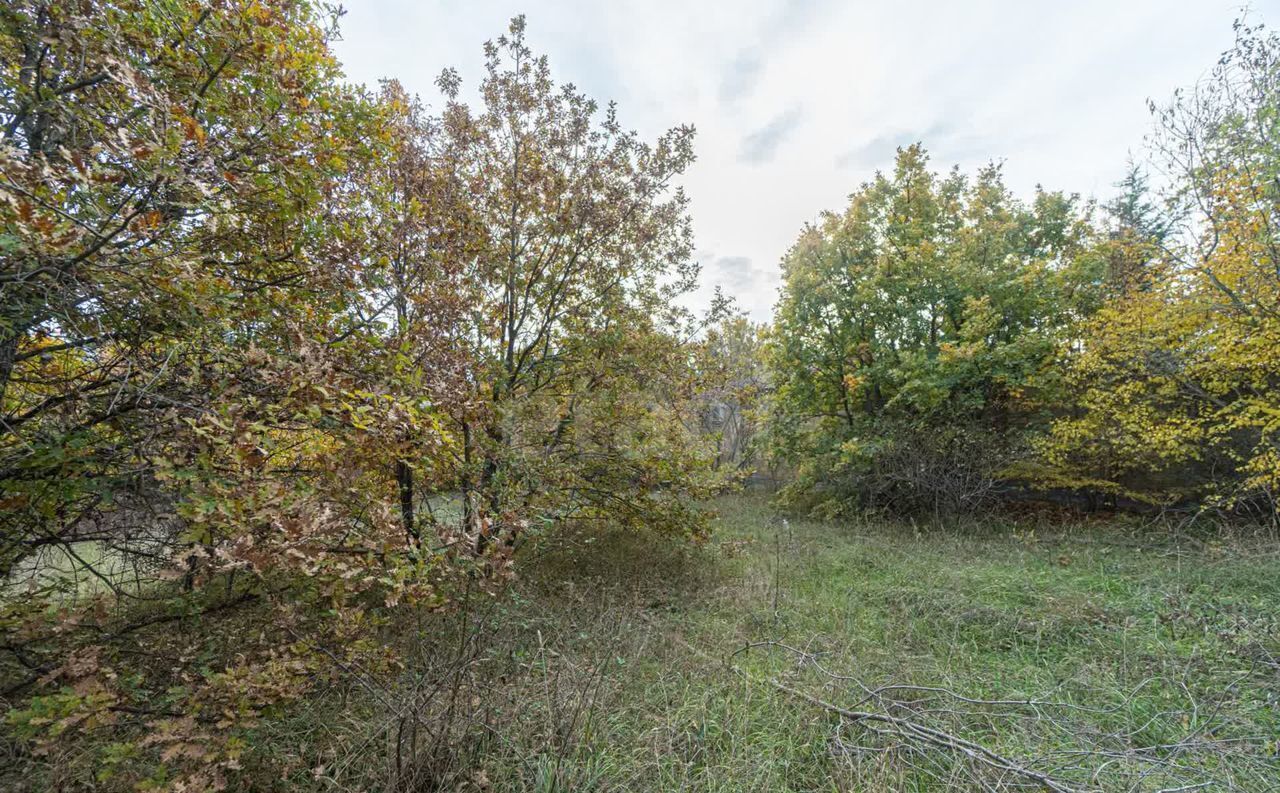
910,729
903,727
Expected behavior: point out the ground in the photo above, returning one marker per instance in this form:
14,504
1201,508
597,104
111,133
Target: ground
625,663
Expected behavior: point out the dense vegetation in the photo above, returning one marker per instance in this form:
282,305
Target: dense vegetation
334,431
940,340
256,322
913,331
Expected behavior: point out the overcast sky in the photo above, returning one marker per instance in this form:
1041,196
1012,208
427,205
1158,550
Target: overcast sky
797,102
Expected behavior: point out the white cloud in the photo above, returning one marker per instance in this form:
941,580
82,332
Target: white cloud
828,89
761,145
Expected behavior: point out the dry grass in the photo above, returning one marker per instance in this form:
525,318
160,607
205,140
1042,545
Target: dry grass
622,663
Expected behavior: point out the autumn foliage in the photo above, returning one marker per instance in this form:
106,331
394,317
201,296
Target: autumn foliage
941,345
1177,382
280,357
287,363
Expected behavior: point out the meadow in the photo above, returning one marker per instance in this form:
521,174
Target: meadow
1090,652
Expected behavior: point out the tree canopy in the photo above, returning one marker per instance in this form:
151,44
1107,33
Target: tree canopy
915,328
276,350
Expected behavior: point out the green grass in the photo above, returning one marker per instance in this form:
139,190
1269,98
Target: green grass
618,663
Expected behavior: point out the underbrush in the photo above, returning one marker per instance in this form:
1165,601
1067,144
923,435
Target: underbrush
514,691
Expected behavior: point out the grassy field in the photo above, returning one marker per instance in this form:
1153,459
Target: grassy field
1154,664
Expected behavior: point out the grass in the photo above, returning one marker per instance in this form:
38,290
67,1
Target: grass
620,663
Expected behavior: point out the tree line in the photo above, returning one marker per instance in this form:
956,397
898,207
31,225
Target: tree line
940,342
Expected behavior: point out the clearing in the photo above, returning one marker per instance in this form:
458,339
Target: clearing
1153,665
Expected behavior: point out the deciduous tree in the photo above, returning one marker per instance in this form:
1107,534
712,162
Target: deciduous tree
912,329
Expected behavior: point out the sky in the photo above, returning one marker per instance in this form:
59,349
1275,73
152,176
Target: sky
798,102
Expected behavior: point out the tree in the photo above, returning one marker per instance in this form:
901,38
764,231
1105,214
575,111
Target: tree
153,207
186,410
911,330
1178,382
733,385
254,319
572,331
412,213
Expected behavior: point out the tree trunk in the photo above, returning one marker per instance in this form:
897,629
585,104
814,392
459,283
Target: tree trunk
488,487
404,481
8,352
